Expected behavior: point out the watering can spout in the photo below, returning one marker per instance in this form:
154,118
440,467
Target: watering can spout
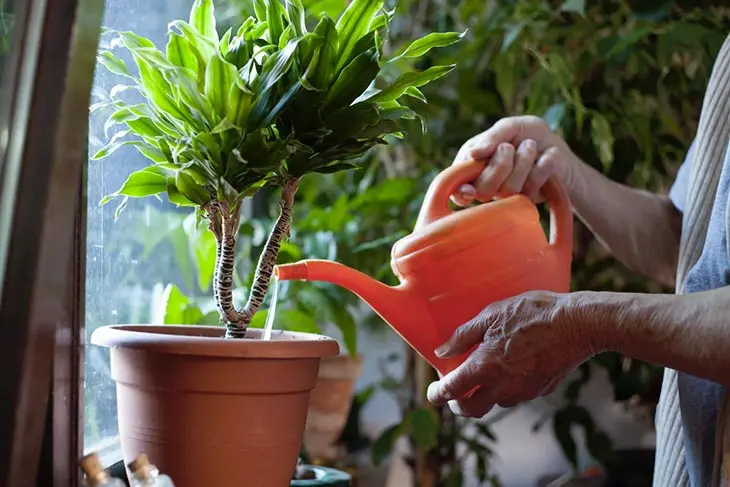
385,300
401,307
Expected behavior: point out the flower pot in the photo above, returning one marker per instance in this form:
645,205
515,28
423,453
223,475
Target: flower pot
330,404
324,477
209,410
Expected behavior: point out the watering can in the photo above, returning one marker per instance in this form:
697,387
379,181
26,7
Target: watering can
455,263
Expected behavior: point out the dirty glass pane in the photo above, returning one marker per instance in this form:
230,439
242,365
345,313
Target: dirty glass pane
6,29
130,258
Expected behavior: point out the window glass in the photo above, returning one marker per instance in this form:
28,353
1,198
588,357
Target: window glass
6,28
130,256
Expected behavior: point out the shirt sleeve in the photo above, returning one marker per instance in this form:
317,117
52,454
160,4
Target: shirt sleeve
678,191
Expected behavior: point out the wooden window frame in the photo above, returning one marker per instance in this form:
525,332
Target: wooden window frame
46,95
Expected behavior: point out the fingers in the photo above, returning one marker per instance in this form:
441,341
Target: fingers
465,196
545,167
525,157
504,131
456,384
513,130
476,406
496,172
463,339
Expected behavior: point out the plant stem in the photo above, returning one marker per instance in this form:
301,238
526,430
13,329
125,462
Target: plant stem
267,260
224,224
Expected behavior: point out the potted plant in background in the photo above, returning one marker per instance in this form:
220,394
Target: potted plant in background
220,118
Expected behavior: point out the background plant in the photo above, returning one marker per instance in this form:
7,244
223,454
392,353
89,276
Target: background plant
222,117
649,89
623,83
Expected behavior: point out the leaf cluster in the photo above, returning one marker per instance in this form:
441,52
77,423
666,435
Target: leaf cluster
219,117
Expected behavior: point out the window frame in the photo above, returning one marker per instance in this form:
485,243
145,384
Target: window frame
42,199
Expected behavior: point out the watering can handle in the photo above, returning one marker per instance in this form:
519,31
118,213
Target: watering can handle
436,203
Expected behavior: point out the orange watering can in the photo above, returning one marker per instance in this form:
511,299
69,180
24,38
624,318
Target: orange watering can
455,263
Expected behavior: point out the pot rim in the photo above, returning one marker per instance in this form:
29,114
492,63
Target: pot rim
208,341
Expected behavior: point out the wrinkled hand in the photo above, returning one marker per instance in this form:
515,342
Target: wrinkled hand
520,155
527,345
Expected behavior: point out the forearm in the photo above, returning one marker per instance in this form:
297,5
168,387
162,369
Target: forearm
689,333
641,229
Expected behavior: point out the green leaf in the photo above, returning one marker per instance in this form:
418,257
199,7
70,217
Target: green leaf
204,244
180,53
406,80
274,18
424,429
199,43
178,310
202,18
414,92
325,70
434,40
149,181
297,17
352,25
225,42
113,145
296,320
157,90
113,64
191,189
349,121
455,477
220,76
353,80
239,105
277,65
177,198
122,115
238,53
602,137
348,328
383,446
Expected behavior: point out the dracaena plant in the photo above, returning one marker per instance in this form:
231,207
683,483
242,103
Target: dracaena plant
221,117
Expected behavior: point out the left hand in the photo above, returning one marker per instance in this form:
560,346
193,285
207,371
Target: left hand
527,345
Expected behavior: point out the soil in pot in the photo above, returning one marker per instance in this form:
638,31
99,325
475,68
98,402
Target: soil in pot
209,410
330,404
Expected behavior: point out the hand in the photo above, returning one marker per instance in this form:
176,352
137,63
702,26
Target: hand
520,155
527,345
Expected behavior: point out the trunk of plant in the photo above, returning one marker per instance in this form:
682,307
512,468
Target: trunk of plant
426,465
224,223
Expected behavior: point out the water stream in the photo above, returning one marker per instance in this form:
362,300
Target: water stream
271,314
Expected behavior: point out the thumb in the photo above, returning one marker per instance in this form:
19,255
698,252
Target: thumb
463,339
457,383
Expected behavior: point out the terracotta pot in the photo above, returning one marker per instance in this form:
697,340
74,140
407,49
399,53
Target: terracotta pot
209,410
330,404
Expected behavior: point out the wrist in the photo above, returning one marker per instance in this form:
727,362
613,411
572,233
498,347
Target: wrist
574,179
594,319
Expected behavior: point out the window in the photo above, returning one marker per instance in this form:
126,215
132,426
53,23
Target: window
129,258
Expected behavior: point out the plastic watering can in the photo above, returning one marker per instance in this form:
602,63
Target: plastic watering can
455,263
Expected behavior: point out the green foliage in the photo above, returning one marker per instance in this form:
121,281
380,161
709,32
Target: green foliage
621,82
222,116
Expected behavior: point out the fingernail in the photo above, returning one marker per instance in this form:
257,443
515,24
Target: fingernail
504,148
442,350
468,190
432,393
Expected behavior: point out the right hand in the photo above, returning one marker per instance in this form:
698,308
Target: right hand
520,155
